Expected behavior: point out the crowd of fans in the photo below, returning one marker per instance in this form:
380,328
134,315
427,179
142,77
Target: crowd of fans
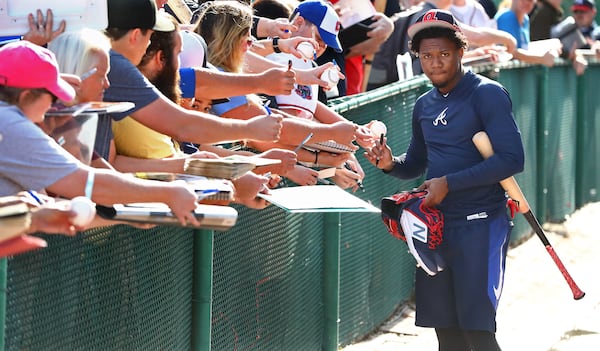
228,80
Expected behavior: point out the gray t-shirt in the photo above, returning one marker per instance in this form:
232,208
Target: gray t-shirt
29,159
127,84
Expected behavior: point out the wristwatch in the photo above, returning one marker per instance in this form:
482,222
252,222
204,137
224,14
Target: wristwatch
276,45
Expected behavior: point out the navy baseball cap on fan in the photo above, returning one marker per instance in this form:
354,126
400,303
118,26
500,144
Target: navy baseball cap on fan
434,18
324,17
583,5
131,14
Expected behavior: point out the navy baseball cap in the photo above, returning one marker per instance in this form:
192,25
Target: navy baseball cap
583,5
324,17
434,18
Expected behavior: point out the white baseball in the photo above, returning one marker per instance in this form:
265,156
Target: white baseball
378,128
331,76
85,211
306,49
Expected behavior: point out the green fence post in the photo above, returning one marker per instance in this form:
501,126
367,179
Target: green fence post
202,290
542,146
331,276
580,197
4,287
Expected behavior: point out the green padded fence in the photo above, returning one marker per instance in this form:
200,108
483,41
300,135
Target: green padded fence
115,288
588,145
559,127
120,288
268,282
376,270
522,83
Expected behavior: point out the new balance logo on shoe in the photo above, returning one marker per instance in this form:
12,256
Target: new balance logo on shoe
419,232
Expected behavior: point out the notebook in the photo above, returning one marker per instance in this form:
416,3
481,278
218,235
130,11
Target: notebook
229,167
211,217
12,205
12,226
211,191
329,146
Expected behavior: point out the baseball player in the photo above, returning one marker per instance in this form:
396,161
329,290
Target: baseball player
459,301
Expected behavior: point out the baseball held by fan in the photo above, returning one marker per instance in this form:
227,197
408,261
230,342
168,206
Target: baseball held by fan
307,50
378,128
331,76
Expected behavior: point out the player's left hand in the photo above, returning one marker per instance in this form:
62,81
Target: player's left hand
437,189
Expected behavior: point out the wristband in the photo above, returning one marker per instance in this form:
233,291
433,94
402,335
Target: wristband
89,184
254,29
10,39
276,45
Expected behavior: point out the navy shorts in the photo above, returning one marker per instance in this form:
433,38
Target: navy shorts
465,294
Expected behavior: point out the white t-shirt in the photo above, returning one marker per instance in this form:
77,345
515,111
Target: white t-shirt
303,98
473,14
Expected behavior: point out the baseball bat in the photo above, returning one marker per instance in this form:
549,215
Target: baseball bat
510,185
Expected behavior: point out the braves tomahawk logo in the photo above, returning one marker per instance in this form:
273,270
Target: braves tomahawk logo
441,118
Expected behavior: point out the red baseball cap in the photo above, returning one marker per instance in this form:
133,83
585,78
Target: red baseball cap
26,65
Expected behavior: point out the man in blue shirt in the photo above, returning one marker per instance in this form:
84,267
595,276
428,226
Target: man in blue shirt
515,21
459,301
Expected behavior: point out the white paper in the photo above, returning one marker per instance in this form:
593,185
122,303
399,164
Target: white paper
317,198
354,11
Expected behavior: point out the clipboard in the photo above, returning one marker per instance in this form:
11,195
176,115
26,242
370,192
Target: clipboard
212,217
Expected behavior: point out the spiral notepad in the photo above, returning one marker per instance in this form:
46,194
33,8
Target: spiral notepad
329,146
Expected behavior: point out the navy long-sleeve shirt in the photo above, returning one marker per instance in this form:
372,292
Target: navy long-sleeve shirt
441,144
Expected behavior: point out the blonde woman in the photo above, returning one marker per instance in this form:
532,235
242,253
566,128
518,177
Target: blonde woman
84,53
225,26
